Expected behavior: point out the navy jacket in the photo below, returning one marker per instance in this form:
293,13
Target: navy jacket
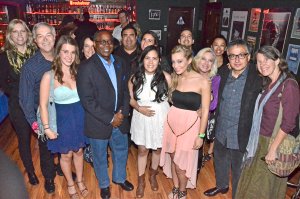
97,96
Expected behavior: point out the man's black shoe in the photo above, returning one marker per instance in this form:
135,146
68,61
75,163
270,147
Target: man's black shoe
33,180
105,193
49,185
126,185
214,191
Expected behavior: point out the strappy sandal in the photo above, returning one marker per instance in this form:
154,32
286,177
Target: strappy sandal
73,195
181,194
208,156
84,192
174,192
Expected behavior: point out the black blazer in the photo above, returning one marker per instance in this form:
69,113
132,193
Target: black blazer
252,88
97,96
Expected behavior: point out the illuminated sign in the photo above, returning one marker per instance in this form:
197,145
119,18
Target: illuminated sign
79,3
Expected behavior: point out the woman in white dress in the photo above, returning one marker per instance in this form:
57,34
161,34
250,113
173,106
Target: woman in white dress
148,89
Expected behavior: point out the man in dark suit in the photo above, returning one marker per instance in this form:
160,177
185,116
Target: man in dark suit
239,87
102,88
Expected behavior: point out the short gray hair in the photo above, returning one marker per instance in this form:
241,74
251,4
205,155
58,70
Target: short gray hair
238,42
36,26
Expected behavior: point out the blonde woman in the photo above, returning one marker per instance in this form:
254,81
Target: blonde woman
184,130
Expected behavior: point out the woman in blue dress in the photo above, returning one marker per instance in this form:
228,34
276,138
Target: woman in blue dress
69,138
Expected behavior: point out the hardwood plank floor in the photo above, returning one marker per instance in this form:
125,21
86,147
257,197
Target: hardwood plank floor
206,180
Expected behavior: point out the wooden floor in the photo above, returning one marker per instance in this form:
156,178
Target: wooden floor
8,143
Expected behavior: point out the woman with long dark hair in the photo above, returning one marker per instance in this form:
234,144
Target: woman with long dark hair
19,47
148,90
69,138
280,90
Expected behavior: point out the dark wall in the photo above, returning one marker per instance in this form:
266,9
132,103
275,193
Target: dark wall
143,7
280,5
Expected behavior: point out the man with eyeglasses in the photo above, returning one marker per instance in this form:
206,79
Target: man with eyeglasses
239,87
102,88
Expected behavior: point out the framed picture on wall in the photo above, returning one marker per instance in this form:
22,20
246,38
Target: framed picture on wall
251,42
293,58
225,18
254,19
296,26
224,33
238,25
274,29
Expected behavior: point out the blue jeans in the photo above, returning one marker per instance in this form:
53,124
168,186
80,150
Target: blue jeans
118,143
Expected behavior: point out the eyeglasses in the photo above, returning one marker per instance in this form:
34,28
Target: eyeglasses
240,56
104,42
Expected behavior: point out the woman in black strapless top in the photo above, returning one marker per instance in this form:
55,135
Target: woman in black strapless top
183,129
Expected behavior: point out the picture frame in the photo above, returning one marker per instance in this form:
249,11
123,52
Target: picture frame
296,25
293,58
238,25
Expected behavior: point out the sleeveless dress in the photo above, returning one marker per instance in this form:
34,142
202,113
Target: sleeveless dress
70,121
180,131
148,131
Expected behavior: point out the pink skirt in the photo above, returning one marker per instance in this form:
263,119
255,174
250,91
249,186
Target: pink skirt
180,131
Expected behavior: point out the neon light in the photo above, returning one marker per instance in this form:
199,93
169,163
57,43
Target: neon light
80,3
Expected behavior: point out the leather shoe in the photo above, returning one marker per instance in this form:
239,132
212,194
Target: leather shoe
214,191
49,185
105,193
126,185
33,180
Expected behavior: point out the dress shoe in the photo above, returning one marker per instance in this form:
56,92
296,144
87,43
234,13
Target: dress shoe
105,193
126,185
33,180
49,185
214,191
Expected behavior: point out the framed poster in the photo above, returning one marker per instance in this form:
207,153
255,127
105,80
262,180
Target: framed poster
254,19
274,29
251,42
238,25
154,14
296,26
225,18
293,58
158,33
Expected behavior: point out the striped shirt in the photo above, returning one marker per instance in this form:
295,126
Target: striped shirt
29,88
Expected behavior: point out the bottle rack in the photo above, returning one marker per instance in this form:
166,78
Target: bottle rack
105,15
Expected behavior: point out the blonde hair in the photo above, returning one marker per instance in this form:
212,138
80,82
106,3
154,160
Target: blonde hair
199,56
9,44
188,54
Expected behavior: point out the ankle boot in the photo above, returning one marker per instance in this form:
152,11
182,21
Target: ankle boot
152,179
141,186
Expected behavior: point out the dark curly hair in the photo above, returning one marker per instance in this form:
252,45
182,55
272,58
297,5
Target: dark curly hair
159,81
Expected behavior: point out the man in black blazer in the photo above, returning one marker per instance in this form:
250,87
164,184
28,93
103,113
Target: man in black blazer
102,88
239,87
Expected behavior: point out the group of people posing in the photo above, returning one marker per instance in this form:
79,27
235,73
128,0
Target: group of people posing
165,103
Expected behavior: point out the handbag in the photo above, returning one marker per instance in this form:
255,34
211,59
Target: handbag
51,112
288,152
211,125
87,154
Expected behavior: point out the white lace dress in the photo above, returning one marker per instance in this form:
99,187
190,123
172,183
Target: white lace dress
148,131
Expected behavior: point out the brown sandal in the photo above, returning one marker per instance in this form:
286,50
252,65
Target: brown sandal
73,195
84,192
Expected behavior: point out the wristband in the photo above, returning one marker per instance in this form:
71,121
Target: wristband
201,135
35,126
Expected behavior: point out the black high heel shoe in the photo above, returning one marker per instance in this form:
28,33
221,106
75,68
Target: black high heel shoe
33,180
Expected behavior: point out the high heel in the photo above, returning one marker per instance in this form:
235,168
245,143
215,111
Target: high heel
173,193
84,191
73,195
181,194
